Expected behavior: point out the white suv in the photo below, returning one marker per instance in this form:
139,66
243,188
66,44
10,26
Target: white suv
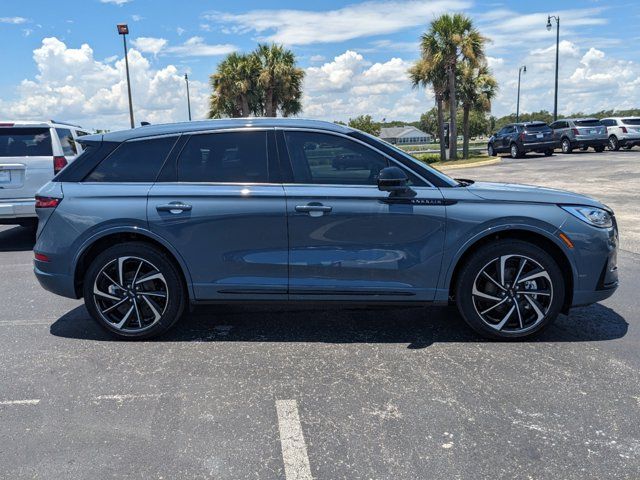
622,131
31,153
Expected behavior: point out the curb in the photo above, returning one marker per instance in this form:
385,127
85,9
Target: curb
484,163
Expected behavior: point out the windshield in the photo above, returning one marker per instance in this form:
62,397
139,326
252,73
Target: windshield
631,121
25,142
588,123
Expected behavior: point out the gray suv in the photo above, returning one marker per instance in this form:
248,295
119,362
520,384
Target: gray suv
580,133
149,221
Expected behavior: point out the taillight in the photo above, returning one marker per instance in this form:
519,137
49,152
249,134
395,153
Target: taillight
41,257
47,202
575,131
624,129
59,163
522,136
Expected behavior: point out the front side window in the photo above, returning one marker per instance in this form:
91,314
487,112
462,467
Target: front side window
231,157
133,161
320,158
67,141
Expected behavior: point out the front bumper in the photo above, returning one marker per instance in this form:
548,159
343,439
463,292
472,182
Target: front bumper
12,210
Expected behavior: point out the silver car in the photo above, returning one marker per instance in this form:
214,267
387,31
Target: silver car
580,133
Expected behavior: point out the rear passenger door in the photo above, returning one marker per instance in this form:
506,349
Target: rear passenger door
221,204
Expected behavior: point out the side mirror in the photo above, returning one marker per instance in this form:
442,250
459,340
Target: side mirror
392,179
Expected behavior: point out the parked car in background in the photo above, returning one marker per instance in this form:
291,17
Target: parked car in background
519,138
622,131
580,133
152,219
31,153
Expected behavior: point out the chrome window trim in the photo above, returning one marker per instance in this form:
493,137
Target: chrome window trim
337,134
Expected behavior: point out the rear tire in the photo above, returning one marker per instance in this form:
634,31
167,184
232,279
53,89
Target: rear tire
499,307
515,151
614,144
490,150
599,149
134,291
566,146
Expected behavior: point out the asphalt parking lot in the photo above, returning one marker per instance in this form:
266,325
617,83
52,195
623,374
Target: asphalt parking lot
341,393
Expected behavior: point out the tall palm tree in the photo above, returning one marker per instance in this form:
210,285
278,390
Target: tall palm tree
450,39
279,79
477,87
234,86
430,71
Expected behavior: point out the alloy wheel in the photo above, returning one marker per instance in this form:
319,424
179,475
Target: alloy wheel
514,151
490,151
512,293
131,294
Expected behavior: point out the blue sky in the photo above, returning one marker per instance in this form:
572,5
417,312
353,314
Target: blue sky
65,57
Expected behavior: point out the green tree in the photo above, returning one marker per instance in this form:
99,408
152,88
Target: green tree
476,88
366,124
234,87
280,80
449,40
429,122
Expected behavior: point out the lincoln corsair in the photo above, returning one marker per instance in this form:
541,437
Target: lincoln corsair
151,221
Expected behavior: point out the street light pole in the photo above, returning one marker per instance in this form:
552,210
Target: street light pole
520,70
186,79
123,29
555,97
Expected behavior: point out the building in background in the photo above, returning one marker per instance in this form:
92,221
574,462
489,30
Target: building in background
406,135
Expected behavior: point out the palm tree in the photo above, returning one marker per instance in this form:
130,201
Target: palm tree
477,87
234,87
430,71
450,39
279,80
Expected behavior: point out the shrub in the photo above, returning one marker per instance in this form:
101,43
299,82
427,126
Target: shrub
428,157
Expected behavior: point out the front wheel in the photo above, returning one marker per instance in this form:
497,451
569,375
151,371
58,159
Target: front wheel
509,289
134,291
491,151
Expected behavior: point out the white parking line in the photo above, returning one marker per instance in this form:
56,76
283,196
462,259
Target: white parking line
32,401
17,323
294,450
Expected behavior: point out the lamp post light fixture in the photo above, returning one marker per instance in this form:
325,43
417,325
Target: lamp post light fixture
123,29
186,79
523,68
549,26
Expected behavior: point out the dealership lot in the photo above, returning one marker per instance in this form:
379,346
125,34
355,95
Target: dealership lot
397,393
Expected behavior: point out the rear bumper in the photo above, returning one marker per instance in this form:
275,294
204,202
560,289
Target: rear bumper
629,140
590,142
540,146
57,283
14,209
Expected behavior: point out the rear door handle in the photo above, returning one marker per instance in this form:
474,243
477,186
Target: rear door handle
174,207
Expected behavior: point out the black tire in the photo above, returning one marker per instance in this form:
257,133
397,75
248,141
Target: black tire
548,153
599,149
167,310
515,151
482,259
566,146
614,144
490,150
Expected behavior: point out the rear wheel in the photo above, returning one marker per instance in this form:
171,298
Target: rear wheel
515,151
614,144
134,291
490,150
509,289
566,146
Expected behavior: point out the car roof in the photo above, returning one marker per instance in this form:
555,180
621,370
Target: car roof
580,119
37,123
218,124
628,117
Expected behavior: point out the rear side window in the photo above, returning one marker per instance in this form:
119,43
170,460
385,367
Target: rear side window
608,123
233,157
25,142
631,121
133,161
588,123
67,141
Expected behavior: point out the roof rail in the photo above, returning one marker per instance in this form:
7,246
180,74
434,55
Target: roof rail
65,123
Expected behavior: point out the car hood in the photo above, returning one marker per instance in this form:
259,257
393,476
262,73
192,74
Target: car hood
513,192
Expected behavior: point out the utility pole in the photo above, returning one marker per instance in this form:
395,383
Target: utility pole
555,97
186,79
520,70
123,29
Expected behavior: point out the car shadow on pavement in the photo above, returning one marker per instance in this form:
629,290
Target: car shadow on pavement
418,327
17,239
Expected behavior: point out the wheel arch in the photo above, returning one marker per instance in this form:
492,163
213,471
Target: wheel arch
99,242
547,243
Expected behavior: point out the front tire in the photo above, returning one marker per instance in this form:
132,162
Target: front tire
566,146
134,291
509,289
491,151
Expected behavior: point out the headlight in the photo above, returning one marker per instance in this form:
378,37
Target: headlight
597,217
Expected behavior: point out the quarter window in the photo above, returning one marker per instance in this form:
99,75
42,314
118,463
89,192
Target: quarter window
133,161
320,158
234,157
69,148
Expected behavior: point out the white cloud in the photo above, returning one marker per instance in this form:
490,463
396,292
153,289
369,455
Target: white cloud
72,85
116,2
13,20
137,18
149,44
180,31
303,27
196,47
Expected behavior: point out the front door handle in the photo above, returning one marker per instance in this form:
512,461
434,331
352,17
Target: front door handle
314,209
174,207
